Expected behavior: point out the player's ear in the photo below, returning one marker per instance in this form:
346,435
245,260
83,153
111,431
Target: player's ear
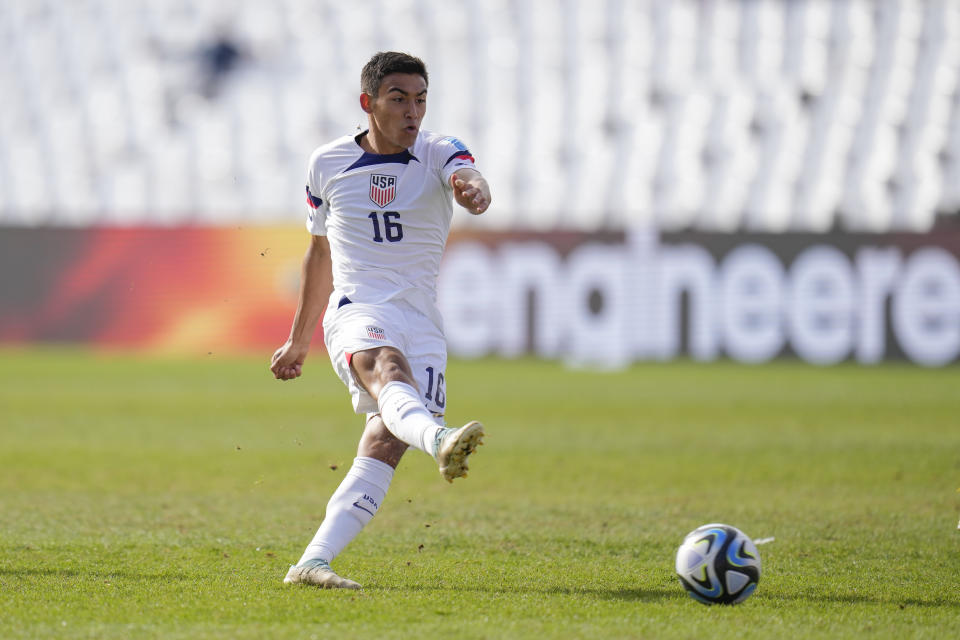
365,101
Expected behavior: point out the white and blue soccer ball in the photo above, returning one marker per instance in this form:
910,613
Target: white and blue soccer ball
718,564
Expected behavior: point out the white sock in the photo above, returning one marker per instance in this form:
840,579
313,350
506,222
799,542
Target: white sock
351,507
406,416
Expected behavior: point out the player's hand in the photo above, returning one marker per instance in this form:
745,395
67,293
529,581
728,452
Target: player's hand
471,193
287,361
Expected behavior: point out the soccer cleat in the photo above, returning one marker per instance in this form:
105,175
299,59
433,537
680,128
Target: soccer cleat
319,574
454,446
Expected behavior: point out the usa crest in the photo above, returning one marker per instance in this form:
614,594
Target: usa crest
383,189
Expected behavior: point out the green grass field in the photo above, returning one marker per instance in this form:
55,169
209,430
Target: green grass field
144,498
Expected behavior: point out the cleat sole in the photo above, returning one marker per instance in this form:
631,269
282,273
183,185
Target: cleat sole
456,448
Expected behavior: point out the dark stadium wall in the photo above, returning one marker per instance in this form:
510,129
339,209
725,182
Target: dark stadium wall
593,299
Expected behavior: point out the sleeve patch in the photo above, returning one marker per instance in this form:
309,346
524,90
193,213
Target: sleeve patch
459,146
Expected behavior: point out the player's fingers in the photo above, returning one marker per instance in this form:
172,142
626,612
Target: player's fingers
280,371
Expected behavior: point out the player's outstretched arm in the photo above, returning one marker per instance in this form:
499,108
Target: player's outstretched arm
315,286
470,190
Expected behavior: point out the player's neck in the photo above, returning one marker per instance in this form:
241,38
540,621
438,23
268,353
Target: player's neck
375,142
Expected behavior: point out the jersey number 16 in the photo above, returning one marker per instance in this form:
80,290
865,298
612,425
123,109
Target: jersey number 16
391,226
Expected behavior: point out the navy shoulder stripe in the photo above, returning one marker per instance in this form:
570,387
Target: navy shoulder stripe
313,200
465,154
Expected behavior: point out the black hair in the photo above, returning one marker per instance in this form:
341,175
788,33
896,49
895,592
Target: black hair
383,64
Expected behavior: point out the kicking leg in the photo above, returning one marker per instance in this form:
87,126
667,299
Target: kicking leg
385,373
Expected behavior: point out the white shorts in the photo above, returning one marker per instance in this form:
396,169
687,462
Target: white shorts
349,327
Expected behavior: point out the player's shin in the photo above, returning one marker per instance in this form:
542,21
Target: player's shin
406,416
350,508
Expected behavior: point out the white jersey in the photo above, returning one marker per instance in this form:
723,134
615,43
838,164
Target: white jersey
387,217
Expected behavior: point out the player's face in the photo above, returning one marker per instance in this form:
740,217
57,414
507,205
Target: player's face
397,111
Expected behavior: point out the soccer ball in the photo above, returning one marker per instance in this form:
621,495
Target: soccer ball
718,564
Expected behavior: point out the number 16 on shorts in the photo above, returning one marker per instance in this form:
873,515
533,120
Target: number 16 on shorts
435,391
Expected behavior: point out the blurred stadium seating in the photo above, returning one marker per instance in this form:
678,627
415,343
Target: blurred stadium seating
754,115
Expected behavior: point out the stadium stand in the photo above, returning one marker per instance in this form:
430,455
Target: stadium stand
586,114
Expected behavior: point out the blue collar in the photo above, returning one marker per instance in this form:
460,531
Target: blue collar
368,159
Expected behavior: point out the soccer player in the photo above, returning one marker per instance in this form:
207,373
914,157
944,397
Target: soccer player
379,214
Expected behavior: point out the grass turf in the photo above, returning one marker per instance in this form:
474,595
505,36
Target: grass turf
166,498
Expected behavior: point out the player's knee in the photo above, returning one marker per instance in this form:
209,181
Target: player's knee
377,367
393,371
392,366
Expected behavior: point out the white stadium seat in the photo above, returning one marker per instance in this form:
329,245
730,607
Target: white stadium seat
585,114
